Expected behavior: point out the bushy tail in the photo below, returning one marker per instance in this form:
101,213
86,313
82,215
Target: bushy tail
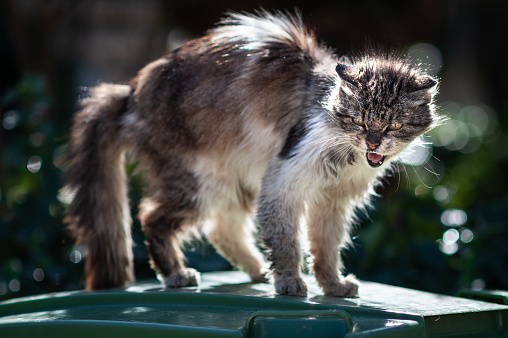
99,214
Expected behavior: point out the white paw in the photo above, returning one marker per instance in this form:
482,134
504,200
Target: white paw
181,278
260,277
347,288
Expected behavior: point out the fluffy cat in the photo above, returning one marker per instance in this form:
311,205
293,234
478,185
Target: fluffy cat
255,116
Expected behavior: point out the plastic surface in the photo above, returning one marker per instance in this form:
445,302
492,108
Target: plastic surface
492,296
226,305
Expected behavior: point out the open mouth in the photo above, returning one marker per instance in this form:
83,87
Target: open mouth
375,160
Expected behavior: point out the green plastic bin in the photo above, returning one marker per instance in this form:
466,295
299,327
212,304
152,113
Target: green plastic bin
227,305
492,296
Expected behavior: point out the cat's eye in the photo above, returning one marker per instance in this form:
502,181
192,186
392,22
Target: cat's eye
358,121
395,126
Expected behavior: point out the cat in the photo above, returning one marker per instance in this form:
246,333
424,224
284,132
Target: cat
256,117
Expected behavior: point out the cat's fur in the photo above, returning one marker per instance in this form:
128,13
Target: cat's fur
253,116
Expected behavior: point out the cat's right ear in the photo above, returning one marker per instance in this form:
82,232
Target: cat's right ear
425,82
345,73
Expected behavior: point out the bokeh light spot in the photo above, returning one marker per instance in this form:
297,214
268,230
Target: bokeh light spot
448,248
37,139
417,153
441,194
34,164
421,190
14,285
454,217
38,275
466,235
75,256
451,236
11,119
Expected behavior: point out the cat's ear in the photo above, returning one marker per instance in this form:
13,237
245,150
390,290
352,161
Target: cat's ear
345,73
346,60
424,82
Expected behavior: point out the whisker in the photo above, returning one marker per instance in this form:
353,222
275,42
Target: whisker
431,170
336,143
416,172
408,179
341,153
336,155
397,164
315,144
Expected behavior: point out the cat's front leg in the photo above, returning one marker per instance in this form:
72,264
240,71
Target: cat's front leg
281,238
328,230
277,217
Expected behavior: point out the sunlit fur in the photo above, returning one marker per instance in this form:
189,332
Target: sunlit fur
254,118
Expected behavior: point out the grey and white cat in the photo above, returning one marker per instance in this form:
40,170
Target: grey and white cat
258,117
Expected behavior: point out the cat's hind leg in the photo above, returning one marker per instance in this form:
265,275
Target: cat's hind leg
165,218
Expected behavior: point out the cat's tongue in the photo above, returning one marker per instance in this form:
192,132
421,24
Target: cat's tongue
374,158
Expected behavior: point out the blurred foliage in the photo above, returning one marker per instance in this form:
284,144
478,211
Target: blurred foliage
31,232
440,224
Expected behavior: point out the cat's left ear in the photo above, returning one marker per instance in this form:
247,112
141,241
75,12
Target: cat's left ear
424,82
345,73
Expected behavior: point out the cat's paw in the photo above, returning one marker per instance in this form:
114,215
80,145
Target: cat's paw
347,288
290,286
181,278
260,277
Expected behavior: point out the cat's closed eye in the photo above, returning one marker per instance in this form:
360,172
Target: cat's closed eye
358,121
395,126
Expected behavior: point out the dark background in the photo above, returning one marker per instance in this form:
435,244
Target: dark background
439,227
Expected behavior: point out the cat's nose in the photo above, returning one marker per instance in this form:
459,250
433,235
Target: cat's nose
371,145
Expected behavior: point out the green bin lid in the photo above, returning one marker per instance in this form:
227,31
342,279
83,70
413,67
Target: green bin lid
493,296
227,305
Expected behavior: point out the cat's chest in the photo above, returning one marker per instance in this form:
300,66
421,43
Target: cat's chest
354,180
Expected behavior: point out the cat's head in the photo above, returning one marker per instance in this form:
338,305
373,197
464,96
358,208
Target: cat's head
381,105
